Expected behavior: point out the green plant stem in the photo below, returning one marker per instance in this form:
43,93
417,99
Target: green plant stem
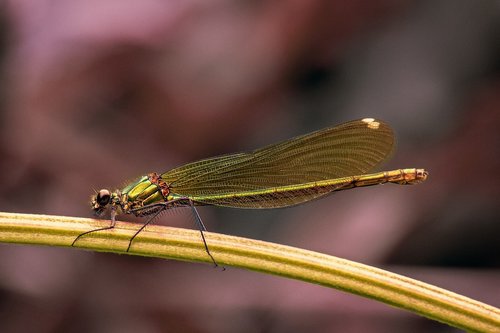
329,271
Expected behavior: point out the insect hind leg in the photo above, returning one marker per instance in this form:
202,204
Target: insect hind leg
202,229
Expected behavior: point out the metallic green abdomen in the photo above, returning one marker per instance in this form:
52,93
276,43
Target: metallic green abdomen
143,192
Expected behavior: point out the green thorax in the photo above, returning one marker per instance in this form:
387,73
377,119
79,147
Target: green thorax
141,193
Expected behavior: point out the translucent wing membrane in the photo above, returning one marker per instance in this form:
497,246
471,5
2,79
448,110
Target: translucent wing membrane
349,149
282,196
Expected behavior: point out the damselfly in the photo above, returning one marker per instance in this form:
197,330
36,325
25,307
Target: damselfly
279,175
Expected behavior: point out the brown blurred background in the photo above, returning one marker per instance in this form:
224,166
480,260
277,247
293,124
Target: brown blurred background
95,93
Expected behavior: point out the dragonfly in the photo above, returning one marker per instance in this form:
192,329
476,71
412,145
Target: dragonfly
284,174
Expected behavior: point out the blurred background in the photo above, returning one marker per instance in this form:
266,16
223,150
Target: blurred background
95,93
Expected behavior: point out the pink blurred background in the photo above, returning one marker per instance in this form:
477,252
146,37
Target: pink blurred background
95,93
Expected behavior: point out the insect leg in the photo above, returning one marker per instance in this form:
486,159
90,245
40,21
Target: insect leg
145,224
111,226
202,228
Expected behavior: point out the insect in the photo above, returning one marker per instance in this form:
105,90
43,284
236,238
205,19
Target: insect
279,175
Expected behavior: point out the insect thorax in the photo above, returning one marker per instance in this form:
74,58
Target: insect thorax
145,191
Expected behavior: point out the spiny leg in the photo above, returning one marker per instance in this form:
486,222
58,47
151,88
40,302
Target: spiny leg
111,226
202,228
145,224
169,204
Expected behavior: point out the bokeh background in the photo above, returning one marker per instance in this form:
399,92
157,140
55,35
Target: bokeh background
95,93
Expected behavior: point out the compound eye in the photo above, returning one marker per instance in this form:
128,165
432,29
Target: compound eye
103,197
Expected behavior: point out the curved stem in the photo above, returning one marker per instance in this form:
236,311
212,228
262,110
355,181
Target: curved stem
329,271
